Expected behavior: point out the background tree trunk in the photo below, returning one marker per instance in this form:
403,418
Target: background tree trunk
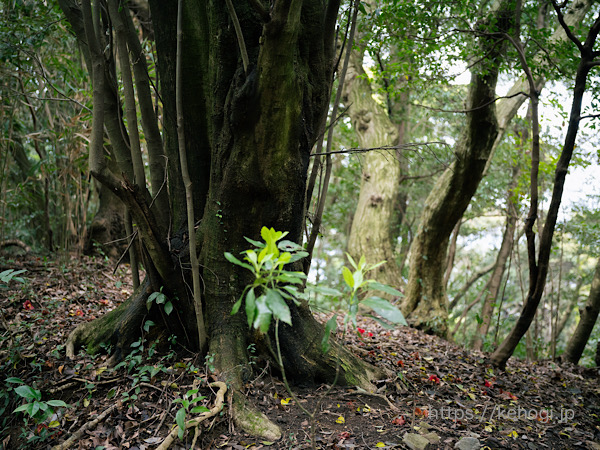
372,234
587,319
425,304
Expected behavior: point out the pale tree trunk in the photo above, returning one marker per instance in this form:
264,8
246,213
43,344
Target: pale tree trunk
372,234
425,304
587,319
572,303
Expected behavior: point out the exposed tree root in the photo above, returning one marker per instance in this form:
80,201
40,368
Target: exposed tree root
75,437
195,422
119,327
251,420
15,243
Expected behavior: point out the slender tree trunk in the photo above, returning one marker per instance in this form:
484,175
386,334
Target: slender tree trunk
492,287
539,268
587,319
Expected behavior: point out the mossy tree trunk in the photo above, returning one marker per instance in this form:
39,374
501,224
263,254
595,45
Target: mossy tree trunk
426,304
372,233
248,130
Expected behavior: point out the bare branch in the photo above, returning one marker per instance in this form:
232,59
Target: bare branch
239,34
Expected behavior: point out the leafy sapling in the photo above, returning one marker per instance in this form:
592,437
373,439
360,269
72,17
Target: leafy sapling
265,298
160,299
36,408
356,292
187,405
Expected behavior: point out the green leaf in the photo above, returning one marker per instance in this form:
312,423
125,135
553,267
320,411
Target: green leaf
57,403
289,246
298,256
255,243
375,266
24,408
250,306
28,393
385,324
324,290
147,325
168,308
385,288
348,278
35,407
358,279
385,309
236,306
262,320
232,259
329,328
352,262
180,418
14,380
278,306
284,258
199,409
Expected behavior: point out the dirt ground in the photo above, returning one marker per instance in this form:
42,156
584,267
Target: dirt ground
437,396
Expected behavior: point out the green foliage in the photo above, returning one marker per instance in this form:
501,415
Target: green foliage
35,408
265,298
9,275
160,299
187,406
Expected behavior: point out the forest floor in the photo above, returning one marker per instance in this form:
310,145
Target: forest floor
440,396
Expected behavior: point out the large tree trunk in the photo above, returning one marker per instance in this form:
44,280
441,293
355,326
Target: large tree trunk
425,304
249,129
587,319
372,234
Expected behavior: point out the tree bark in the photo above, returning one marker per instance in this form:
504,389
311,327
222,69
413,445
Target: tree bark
249,129
587,319
371,234
539,268
425,304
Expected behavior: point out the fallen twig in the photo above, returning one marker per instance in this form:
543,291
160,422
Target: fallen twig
75,437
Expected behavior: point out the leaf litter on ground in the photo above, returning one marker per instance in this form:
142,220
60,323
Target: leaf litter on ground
436,392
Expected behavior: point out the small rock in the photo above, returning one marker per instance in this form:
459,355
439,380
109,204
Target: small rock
416,441
468,443
432,438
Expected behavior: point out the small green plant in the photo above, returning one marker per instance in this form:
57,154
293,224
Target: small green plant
9,275
272,285
37,409
356,292
265,298
160,299
187,402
